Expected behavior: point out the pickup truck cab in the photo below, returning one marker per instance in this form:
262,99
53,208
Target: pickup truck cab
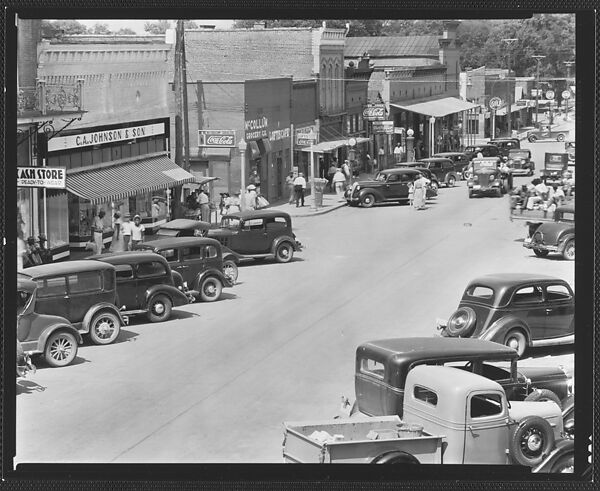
555,167
467,421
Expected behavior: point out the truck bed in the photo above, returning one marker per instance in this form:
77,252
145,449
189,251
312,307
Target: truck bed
353,445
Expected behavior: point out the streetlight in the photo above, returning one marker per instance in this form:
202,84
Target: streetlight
509,41
537,85
242,146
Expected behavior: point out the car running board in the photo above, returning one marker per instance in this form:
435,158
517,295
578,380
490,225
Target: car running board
554,341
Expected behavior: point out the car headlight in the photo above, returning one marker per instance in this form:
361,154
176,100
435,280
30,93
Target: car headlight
492,177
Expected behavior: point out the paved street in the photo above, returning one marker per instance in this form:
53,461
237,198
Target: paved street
215,383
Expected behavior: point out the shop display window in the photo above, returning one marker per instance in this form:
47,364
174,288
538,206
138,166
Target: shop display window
57,218
82,213
24,219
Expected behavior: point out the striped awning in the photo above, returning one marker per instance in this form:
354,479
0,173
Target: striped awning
129,178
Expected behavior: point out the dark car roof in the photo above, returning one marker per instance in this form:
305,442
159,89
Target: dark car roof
185,224
67,267
494,140
435,159
127,257
448,154
245,215
171,242
401,170
506,280
407,350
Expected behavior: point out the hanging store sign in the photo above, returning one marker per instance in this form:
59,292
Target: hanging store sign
216,138
256,129
306,135
42,177
374,112
106,136
386,127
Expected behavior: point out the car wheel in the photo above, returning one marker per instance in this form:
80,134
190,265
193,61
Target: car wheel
61,349
230,270
105,327
284,252
159,308
560,137
434,185
398,457
531,139
540,252
533,438
569,252
211,289
451,181
461,323
544,395
564,465
516,340
368,200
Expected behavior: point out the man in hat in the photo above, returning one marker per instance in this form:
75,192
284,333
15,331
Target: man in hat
250,197
126,232
137,231
203,201
98,229
299,188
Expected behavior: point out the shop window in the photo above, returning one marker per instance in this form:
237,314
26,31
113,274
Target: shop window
115,153
106,154
126,151
75,160
24,223
57,218
144,147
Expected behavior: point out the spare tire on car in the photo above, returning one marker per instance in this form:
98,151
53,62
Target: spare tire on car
532,439
461,323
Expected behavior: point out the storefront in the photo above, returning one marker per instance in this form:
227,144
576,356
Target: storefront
122,169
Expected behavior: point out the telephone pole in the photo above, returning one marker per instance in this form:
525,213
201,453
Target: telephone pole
509,41
537,86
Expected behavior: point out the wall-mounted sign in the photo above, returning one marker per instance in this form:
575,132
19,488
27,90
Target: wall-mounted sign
256,128
495,103
306,135
277,135
106,136
374,112
398,130
42,177
216,138
386,127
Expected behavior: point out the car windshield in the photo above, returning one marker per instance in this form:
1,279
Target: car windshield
23,299
484,164
231,223
381,177
473,149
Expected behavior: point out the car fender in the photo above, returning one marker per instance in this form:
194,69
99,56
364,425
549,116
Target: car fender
48,331
177,296
498,330
226,251
85,324
373,191
563,239
283,238
561,448
208,273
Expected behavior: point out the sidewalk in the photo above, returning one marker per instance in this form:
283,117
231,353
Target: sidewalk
330,202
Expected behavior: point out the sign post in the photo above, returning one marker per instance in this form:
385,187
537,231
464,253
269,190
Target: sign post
494,103
566,95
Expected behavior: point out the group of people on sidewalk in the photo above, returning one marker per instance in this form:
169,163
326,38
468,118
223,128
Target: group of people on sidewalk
126,234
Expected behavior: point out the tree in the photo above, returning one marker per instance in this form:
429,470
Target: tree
59,28
125,30
100,29
158,27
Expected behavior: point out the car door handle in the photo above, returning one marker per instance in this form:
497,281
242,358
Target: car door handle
183,267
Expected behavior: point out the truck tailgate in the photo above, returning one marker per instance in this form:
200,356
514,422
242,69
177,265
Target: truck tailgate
355,446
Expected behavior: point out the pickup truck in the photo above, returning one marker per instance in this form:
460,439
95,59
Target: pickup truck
468,421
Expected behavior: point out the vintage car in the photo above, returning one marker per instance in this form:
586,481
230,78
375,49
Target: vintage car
486,149
390,185
506,145
258,234
520,163
486,177
198,260
183,227
442,168
434,184
556,166
546,132
557,236
467,421
84,293
146,284
51,336
514,309
460,159
382,366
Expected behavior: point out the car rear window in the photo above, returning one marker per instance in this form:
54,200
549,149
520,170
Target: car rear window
167,232
52,287
84,282
480,292
426,395
557,292
372,367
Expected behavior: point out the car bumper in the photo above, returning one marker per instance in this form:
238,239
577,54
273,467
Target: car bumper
520,172
536,245
484,188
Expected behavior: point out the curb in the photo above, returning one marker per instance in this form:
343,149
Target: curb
318,211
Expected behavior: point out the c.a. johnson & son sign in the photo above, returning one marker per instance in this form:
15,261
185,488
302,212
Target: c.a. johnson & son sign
106,136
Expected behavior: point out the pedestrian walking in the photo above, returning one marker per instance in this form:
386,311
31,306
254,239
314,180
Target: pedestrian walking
398,153
289,182
115,244
299,189
137,231
411,193
339,182
250,197
98,229
126,232
254,179
203,201
420,190
330,174
347,172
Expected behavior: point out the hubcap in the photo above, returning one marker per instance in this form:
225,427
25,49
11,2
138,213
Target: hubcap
513,343
159,308
104,328
284,252
571,251
60,350
534,443
210,289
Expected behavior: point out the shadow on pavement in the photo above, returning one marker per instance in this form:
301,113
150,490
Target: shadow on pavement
182,314
41,364
28,387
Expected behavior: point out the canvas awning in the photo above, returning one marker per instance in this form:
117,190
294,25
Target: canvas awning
332,145
514,108
438,107
117,181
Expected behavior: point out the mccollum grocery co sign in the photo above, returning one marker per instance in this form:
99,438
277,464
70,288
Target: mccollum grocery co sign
216,138
42,177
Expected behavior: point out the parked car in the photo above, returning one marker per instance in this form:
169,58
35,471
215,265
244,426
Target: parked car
444,169
557,236
514,309
383,365
505,144
146,284
460,159
546,132
183,227
390,185
198,260
520,163
84,293
487,150
434,184
50,336
258,234
486,178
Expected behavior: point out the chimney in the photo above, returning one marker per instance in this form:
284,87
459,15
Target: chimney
260,25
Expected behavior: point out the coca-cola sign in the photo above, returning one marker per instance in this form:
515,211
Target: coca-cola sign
216,138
